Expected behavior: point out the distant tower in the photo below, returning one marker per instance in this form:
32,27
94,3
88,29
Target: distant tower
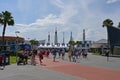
83,36
71,38
48,38
63,40
56,38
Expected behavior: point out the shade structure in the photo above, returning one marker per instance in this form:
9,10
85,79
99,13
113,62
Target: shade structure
51,46
113,37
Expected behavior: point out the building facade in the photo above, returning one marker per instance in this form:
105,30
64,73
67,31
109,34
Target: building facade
114,39
11,42
99,46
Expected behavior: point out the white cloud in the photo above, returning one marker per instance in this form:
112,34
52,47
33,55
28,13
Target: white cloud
47,21
75,15
58,3
64,21
112,1
52,20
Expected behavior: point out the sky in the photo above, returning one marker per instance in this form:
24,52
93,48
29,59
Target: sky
34,19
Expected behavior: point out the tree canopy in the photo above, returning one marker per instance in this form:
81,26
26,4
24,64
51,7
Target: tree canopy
119,25
5,19
72,42
33,42
108,23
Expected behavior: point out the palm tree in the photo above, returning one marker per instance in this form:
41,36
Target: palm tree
5,19
72,44
119,25
107,22
78,43
34,42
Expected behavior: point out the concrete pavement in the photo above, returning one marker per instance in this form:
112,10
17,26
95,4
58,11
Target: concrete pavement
93,68
29,72
98,61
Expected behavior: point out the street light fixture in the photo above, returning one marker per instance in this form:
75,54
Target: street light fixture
16,32
17,44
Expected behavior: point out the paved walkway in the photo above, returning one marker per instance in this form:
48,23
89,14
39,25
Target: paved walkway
85,70
29,72
93,68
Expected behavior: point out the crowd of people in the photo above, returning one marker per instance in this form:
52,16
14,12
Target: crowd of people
30,55
23,58
55,53
73,55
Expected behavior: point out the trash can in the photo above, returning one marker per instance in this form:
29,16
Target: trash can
7,59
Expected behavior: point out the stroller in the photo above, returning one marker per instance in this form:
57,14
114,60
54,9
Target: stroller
21,60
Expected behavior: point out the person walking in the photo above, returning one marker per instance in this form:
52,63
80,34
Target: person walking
70,55
1,62
63,53
47,52
54,53
32,58
26,53
74,56
107,54
40,55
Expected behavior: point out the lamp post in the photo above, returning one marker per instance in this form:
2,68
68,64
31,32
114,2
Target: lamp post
28,40
17,32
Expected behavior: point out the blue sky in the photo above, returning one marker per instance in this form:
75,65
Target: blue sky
35,18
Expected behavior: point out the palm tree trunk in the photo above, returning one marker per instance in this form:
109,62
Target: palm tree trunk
3,37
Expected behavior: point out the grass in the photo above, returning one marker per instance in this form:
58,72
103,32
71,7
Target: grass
12,59
96,53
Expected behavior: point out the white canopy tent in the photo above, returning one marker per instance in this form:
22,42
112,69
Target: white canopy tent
52,46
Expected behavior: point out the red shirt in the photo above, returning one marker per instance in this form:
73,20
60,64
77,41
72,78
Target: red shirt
40,54
1,58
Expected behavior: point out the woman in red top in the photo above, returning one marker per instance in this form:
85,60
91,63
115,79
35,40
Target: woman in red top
40,55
